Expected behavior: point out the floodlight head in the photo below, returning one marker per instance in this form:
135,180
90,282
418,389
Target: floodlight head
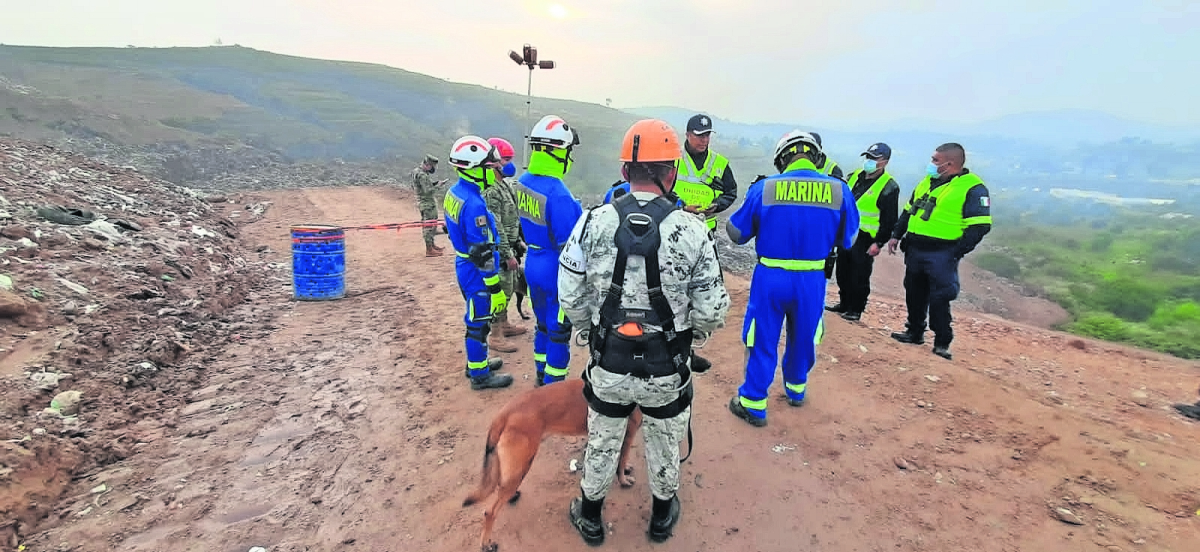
546,64
516,57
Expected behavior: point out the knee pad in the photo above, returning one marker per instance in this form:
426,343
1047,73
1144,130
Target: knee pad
562,334
479,333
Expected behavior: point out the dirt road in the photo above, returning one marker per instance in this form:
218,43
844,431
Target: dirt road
348,425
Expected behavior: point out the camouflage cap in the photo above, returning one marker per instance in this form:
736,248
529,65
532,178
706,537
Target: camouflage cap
431,159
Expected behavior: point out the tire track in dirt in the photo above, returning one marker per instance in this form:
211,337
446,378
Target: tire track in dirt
349,426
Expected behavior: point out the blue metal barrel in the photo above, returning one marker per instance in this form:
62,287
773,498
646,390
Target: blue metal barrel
318,262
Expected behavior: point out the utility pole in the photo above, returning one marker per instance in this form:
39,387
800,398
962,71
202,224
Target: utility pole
528,58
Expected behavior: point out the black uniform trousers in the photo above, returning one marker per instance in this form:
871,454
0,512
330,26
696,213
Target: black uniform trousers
930,284
854,269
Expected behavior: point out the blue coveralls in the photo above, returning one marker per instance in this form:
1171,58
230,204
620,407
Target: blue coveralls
797,217
548,214
469,223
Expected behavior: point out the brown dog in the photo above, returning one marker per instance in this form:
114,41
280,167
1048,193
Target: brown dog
515,435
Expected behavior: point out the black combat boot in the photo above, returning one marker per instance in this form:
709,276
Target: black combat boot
700,364
491,381
664,514
585,517
909,337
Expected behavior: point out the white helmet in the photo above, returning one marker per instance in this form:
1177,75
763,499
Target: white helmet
471,151
795,141
554,132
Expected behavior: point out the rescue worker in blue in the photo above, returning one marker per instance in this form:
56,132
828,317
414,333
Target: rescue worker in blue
948,215
798,216
878,198
827,167
548,213
472,231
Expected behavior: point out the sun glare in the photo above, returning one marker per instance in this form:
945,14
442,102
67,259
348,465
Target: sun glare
558,11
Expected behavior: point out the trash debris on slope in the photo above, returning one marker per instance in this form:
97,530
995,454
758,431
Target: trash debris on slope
111,278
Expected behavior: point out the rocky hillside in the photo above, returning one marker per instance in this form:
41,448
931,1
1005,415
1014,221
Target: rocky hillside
226,101
111,282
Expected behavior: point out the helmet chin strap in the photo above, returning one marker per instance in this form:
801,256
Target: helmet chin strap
669,195
563,160
478,181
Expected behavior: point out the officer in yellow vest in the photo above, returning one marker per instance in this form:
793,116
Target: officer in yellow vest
947,216
705,183
878,198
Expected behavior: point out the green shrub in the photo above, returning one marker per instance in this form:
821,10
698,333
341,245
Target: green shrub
1186,314
1126,298
1102,326
1102,243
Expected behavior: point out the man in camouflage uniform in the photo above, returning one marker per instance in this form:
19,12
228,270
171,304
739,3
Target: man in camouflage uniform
502,202
425,187
653,375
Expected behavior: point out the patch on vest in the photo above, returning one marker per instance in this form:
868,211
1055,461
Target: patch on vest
572,258
985,201
481,221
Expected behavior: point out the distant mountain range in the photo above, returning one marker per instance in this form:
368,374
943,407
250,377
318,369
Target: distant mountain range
1064,128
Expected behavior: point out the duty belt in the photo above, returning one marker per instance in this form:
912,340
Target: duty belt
795,265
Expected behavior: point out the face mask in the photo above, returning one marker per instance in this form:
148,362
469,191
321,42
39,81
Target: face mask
931,170
508,170
870,165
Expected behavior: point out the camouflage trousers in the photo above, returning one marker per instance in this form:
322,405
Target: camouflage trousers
507,279
660,438
428,212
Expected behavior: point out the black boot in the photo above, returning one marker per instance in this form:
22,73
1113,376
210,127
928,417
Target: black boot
838,308
663,517
585,517
909,337
491,381
700,364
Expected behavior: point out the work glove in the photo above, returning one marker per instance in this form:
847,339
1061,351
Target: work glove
499,299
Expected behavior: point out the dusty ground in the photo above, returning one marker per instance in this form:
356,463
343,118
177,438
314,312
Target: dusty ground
347,425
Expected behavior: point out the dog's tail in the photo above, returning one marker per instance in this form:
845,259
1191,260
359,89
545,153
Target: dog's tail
490,477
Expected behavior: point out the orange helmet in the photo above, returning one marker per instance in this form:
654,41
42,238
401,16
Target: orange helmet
650,141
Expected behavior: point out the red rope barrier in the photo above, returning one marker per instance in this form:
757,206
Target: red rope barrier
397,225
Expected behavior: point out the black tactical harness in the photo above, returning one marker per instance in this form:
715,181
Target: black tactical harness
648,355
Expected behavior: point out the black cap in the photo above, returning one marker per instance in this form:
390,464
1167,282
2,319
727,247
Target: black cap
700,124
878,150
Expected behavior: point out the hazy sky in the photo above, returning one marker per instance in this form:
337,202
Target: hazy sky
829,62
